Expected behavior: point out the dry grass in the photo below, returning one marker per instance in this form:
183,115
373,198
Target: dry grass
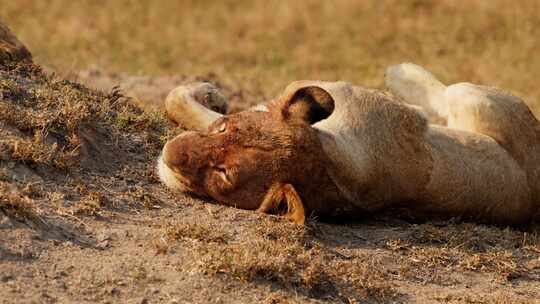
51,127
261,46
16,205
283,255
48,114
195,231
503,253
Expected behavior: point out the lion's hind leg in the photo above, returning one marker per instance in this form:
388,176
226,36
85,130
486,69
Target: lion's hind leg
501,116
419,88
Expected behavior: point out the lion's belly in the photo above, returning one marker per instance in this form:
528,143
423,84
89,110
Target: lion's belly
445,171
473,176
470,176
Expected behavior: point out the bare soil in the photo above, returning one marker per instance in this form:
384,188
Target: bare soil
83,219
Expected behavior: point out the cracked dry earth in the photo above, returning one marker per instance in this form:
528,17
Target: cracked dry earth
92,224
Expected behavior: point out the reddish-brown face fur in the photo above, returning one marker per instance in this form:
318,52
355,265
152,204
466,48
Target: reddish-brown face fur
242,155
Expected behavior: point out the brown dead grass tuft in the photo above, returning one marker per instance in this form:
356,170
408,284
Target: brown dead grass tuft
287,256
195,231
16,205
91,204
52,116
502,263
35,151
54,129
276,298
47,112
145,198
432,251
477,299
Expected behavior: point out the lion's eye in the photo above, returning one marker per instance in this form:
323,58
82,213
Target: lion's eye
222,128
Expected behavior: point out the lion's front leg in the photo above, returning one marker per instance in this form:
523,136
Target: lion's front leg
280,195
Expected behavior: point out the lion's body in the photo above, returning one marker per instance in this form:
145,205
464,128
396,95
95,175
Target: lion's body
384,153
334,148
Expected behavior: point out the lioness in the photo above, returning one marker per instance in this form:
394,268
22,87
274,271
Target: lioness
331,148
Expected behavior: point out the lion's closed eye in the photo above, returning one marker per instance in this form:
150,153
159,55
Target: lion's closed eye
223,174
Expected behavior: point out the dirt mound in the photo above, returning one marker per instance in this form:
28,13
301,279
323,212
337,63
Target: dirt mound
66,151
10,47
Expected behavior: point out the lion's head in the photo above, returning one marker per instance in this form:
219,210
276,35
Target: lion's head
255,159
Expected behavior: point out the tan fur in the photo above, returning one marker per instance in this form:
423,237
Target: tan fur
418,87
335,149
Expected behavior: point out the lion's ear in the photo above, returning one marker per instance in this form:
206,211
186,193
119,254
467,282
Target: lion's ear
308,104
284,200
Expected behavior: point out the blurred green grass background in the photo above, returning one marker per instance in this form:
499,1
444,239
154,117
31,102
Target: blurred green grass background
263,45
